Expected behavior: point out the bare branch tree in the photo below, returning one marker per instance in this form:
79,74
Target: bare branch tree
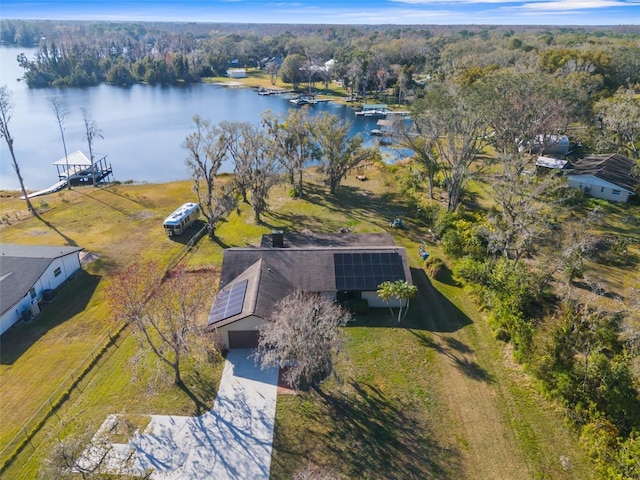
522,112
451,121
337,151
291,143
163,311
6,107
303,335
619,122
60,112
91,132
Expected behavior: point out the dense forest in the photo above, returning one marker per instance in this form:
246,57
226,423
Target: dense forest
477,96
595,60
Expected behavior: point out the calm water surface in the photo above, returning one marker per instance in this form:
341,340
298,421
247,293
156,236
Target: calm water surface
144,126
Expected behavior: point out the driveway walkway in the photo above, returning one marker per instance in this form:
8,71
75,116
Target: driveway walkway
232,441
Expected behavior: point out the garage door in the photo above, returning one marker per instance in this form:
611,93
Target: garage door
243,339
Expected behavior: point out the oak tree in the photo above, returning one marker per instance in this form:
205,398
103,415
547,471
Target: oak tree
337,151
162,309
208,147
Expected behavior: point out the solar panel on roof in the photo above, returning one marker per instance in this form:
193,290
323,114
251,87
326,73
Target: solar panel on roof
228,302
365,271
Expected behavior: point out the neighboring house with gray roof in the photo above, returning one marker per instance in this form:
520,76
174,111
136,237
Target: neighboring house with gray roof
28,270
343,266
608,176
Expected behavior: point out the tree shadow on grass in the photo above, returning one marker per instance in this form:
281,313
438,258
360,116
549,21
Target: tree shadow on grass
429,310
200,406
72,298
371,435
69,241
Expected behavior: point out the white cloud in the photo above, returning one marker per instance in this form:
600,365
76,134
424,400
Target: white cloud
562,5
448,2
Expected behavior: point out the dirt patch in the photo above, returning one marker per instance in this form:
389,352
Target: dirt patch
87,257
142,215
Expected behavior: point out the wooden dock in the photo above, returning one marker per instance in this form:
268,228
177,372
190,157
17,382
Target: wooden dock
273,91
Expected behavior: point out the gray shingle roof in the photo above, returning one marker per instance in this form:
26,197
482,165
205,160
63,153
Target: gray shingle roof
301,240
612,167
20,268
306,263
265,288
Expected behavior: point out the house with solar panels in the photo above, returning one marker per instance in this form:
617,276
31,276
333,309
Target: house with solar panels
29,274
343,266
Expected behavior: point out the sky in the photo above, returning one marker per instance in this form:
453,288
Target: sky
400,12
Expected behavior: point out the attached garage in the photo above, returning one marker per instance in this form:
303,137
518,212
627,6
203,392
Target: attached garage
243,338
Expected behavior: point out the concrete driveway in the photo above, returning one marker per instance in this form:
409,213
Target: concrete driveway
232,441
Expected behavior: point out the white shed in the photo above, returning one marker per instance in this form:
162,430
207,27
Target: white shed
26,271
237,72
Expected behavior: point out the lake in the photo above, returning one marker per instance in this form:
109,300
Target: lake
144,126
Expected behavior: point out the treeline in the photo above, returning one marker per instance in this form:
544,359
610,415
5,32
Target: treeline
366,58
533,250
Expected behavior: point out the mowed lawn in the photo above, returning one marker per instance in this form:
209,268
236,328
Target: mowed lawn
433,397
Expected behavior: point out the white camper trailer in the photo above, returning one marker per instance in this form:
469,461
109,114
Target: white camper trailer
181,219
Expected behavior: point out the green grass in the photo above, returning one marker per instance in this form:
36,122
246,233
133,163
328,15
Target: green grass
377,419
400,404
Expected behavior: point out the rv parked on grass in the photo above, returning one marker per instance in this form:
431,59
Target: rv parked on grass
181,219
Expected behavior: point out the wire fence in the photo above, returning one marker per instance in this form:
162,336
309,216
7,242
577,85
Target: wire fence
51,405
186,249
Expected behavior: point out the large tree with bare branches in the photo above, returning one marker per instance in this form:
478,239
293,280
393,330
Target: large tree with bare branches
522,112
256,169
6,107
338,153
291,143
162,309
91,133
303,334
450,120
60,111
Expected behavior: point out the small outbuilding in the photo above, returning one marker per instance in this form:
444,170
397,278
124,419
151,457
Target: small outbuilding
237,72
608,176
558,145
27,274
552,163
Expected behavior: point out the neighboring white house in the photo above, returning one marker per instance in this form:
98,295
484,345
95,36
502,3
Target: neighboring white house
26,271
606,176
237,72
342,266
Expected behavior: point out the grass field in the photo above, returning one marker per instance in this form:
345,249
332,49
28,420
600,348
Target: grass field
433,397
